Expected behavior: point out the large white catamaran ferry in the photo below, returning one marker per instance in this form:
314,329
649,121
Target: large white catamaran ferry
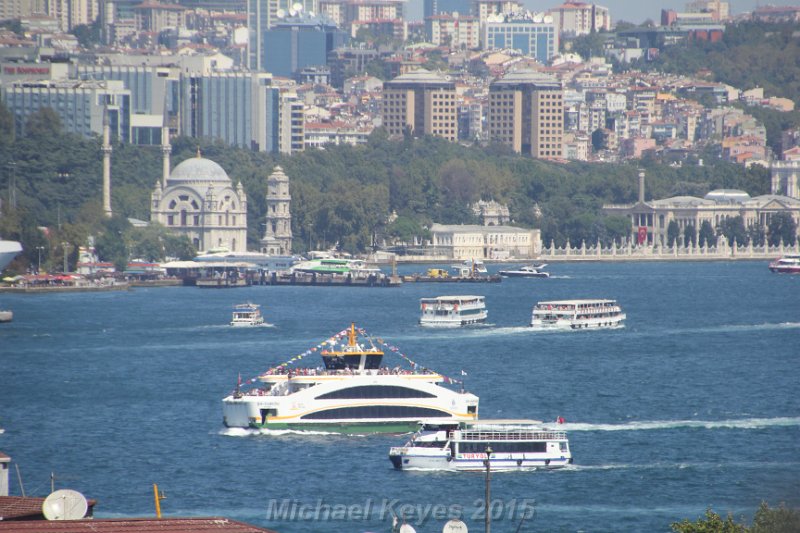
351,393
509,445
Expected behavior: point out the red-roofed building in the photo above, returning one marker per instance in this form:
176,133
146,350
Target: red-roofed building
132,525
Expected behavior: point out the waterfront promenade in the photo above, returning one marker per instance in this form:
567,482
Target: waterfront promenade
630,252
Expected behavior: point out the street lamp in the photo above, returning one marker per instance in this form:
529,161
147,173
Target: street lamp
39,265
488,464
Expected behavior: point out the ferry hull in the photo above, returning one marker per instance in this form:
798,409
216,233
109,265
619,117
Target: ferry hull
566,325
403,462
452,323
345,428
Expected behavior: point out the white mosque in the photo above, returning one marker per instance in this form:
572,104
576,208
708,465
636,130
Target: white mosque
198,199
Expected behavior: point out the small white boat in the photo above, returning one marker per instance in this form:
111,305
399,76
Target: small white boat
247,315
527,271
788,264
512,445
577,314
452,311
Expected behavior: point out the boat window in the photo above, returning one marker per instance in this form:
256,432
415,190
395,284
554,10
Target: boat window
376,411
472,409
503,447
366,392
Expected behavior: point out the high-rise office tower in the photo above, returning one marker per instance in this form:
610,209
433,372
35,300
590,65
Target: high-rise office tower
420,103
526,112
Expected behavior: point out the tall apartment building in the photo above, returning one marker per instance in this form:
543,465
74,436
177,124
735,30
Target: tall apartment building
483,8
526,112
535,36
71,13
454,31
381,15
421,102
579,18
14,9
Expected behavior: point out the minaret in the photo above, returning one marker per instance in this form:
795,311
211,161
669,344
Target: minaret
166,148
106,148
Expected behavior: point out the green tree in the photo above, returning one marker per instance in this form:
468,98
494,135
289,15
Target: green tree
689,236
757,234
43,124
733,229
111,244
711,523
707,236
672,232
6,125
779,520
782,228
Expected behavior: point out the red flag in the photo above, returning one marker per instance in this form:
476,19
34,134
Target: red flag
642,236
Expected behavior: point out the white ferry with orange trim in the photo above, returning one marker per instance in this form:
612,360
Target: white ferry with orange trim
352,393
577,314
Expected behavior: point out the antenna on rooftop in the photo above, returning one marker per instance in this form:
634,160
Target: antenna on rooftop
65,504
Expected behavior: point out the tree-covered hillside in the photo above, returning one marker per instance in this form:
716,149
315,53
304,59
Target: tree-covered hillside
750,54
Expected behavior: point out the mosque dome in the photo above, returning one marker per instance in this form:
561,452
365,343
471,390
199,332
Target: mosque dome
198,169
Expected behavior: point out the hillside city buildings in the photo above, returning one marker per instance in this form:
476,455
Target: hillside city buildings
284,76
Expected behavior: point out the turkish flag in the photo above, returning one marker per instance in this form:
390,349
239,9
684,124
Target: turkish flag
642,235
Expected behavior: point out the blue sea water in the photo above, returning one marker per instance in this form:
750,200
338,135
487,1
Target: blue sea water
694,404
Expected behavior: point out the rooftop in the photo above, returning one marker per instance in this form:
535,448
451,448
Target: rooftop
132,525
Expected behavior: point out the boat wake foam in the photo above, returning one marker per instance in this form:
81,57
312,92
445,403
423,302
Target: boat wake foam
743,423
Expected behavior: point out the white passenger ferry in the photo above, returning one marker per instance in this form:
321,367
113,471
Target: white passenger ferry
351,393
452,311
511,445
247,315
577,314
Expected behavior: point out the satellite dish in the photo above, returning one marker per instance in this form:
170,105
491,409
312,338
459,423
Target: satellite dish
292,13
281,13
297,6
65,504
405,528
548,19
537,18
455,526
311,14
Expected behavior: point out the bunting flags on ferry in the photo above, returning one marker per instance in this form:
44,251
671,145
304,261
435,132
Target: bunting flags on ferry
335,339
